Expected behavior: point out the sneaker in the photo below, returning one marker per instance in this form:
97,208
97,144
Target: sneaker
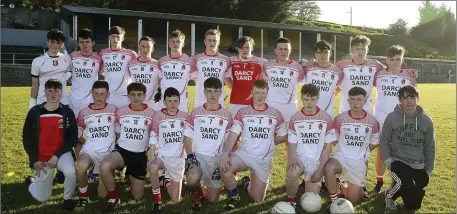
391,205
112,204
294,204
365,194
244,181
82,204
233,201
156,207
198,201
68,205
378,188
60,178
29,180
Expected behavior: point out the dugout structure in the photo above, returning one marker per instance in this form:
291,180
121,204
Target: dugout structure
159,25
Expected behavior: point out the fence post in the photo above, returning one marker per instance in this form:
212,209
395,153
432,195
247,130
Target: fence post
14,56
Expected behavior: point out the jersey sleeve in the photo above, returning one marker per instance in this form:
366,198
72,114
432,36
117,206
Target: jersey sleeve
330,135
118,121
189,129
228,71
133,55
102,65
229,124
193,65
336,127
292,133
280,129
81,124
301,73
375,132
154,136
264,74
237,126
35,70
340,75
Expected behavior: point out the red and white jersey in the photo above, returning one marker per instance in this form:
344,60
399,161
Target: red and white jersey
361,75
46,67
326,79
310,133
244,73
208,129
257,129
175,72
167,133
85,72
146,73
355,135
99,127
205,66
115,69
283,81
134,128
388,84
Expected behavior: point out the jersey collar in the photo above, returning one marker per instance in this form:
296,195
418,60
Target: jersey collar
360,118
217,53
145,106
252,106
204,106
317,111
92,108
169,55
164,110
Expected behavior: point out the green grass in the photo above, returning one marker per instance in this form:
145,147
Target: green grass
438,100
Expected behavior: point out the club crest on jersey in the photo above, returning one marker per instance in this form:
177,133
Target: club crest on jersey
221,122
183,67
182,124
123,57
109,119
332,76
320,126
221,63
145,122
93,64
60,123
367,130
403,81
55,62
151,69
291,73
270,121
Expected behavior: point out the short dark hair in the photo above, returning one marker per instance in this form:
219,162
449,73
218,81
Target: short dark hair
136,86
408,91
322,46
56,34
177,34
360,39
116,30
147,38
85,34
282,40
260,84
53,83
395,50
355,91
100,84
309,89
243,40
212,82
171,92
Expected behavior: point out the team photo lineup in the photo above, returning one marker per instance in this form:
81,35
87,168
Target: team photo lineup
137,123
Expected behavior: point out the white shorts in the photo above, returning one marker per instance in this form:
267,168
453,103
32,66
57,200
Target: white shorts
95,156
182,106
233,108
174,168
287,110
211,176
118,100
41,189
77,106
309,167
354,170
344,106
261,167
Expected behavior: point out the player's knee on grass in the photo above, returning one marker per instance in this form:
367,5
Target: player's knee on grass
212,194
106,167
137,188
353,193
193,176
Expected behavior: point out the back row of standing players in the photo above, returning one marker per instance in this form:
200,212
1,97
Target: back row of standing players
121,66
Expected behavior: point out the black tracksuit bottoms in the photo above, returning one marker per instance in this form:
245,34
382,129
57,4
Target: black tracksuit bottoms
408,183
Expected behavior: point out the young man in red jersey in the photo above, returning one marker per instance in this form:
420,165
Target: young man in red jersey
51,147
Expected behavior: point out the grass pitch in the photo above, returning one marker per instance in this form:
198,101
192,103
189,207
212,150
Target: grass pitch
437,99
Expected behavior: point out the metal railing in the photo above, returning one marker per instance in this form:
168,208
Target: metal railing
17,58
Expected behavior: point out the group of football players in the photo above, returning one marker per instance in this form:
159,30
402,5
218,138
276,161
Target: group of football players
138,118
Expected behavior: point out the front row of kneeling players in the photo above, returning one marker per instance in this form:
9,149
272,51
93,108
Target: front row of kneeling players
115,138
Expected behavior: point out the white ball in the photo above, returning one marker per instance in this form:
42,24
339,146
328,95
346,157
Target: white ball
283,207
311,202
341,205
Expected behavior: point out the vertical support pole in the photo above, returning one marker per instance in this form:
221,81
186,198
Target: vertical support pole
192,39
109,27
75,28
14,57
334,49
240,32
318,37
299,45
166,36
281,34
140,29
217,27
261,43
350,45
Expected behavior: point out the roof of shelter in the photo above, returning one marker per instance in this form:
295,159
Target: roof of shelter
68,11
